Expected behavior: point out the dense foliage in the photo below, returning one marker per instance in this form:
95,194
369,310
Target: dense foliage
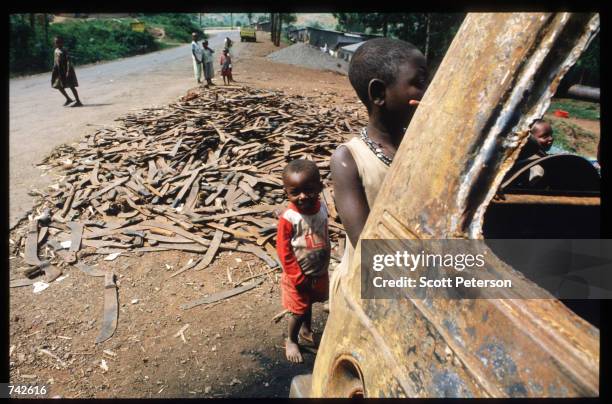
433,33
88,41
177,26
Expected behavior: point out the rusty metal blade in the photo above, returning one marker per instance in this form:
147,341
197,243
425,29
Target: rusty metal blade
111,308
76,235
31,245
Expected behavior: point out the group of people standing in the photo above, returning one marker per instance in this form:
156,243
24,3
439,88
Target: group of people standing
203,60
64,77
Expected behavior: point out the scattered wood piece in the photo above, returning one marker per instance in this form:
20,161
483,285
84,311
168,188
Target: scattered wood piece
186,267
52,355
280,315
215,297
256,276
181,333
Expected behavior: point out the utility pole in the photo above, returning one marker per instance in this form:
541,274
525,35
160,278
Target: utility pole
200,14
231,21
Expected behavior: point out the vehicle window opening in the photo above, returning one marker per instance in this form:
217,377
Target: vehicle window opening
553,193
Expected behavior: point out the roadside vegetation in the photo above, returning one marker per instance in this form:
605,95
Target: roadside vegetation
91,40
576,108
570,136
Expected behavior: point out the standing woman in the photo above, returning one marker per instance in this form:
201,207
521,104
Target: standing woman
63,75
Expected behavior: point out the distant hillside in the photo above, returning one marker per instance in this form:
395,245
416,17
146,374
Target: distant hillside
325,20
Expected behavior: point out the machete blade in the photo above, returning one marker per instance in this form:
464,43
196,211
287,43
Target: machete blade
111,309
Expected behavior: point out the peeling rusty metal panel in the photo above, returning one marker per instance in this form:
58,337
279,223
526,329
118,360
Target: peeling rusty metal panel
498,74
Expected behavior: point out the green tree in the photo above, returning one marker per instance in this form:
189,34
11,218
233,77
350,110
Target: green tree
315,24
432,33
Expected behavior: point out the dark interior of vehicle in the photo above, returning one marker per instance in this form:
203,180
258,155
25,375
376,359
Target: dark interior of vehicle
564,204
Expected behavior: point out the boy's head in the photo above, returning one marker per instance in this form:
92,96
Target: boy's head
302,183
225,51
58,41
194,36
542,133
386,74
205,43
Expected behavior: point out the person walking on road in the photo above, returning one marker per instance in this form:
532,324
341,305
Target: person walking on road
207,58
196,53
227,44
63,75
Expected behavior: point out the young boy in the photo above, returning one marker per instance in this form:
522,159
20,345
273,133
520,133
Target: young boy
389,77
207,60
196,53
63,75
539,143
303,248
542,133
226,66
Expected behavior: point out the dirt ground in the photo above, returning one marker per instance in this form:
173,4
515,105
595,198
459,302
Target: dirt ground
231,348
252,68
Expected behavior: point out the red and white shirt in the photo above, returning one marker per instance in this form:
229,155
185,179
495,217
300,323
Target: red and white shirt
302,242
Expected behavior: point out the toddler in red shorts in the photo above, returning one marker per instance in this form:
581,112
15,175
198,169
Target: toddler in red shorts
303,249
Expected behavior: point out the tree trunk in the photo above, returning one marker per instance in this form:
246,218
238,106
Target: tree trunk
427,33
32,20
279,29
385,25
272,26
46,29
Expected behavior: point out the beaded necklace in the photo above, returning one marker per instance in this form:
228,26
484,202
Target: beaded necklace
375,147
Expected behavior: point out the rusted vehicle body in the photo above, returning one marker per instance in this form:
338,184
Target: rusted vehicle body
497,76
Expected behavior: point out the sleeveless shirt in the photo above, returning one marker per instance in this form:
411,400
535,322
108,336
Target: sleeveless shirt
371,172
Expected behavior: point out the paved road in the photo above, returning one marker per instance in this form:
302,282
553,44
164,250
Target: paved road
38,121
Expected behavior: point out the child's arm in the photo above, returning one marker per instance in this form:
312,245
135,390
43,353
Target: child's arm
285,253
349,195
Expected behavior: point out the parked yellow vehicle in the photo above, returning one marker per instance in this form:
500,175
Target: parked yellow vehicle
248,34
477,108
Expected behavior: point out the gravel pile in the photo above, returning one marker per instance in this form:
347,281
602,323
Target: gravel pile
302,54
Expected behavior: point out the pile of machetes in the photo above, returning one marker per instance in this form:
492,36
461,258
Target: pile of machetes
200,175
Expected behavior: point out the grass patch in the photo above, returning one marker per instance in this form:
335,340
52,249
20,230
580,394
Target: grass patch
573,138
576,108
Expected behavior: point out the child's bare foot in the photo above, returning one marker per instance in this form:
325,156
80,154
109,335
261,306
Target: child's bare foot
292,352
68,101
307,336
77,104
